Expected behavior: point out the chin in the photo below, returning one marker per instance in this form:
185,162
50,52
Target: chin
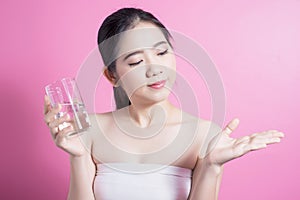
151,97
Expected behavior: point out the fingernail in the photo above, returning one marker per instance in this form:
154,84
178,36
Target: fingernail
281,134
237,120
57,106
68,116
275,140
278,140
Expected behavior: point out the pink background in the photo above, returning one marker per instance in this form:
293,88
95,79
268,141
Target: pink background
255,45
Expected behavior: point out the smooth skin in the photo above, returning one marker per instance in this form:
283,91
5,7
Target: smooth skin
82,167
207,167
207,172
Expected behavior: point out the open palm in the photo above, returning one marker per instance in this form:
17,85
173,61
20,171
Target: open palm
223,148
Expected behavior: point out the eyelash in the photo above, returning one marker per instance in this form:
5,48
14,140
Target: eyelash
159,54
163,53
136,63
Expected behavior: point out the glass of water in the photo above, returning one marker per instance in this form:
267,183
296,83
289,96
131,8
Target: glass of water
66,93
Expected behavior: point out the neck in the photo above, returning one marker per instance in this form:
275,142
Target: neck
147,115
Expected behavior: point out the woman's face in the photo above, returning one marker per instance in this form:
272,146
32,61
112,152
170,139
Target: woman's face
146,66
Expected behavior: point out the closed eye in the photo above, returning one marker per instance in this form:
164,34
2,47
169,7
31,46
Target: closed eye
162,53
136,63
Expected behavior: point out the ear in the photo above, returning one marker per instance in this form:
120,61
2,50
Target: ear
110,77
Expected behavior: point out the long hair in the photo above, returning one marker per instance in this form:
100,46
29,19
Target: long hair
119,21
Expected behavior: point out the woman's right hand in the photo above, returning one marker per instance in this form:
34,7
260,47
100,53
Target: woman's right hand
70,144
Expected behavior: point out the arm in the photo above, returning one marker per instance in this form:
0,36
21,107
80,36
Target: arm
78,147
220,150
83,170
82,173
206,177
219,181
205,181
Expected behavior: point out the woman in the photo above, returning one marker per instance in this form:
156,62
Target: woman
140,64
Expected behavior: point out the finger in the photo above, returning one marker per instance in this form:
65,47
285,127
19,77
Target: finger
62,128
268,134
259,143
231,126
267,140
244,139
66,131
57,122
256,142
47,104
65,123
54,131
62,134
257,146
273,133
244,148
50,116
278,134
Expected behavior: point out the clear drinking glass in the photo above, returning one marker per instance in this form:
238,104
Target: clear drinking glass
66,93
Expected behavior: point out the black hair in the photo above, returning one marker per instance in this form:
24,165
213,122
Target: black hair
119,21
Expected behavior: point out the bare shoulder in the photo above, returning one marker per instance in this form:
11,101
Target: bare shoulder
204,125
100,122
209,127
206,129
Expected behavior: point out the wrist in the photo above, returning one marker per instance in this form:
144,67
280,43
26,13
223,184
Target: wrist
212,168
78,157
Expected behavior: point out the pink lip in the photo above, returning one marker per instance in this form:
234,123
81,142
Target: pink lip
158,85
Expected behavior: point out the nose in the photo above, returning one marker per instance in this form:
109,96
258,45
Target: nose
154,70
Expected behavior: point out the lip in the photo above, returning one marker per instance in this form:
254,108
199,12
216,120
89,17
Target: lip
158,84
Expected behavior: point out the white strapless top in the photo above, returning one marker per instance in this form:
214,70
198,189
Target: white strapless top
134,181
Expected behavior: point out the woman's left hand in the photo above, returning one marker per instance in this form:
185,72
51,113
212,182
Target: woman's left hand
223,148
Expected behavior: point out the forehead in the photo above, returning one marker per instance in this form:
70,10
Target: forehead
142,36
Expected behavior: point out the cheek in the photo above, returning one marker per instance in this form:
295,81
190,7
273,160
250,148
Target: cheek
171,69
169,61
132,79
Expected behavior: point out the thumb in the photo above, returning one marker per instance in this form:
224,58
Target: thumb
231,126
46,104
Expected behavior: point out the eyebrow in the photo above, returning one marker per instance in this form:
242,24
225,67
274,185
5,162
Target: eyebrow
141,51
